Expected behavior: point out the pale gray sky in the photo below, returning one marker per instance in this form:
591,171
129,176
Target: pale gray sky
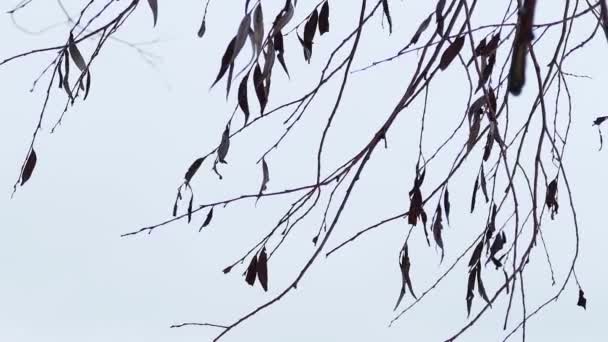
114,164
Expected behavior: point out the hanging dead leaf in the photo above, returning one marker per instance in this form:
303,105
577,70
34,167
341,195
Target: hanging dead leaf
190,208
207,220
446,203
551,198
222,150
177,198
451,52
193,169
260,89
439,17
279,47
480,288
258,28
87,86
484,186
252,271
470,291
476,256
491,46
76,55
154,7
477,52
283,17
262,269
202,29
582,301
487,150
310,28
487,72
474,196
226,61
404,266
387,13
241,36
29,166
265,177
268,61
242,97
324,18
474,127
437,228
423,26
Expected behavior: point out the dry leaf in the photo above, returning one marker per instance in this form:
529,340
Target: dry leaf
451,52
324,18
28,169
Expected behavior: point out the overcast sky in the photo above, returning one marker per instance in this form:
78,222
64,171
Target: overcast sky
114,164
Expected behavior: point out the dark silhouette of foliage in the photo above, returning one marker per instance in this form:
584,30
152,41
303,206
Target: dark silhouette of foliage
493,57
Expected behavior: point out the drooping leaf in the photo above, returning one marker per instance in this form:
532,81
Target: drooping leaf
265,177
551,198
582,301
279,47
262,268
241,36
190,208
226,61
484,186
446,204
474,128
497,245
310,28
154,7
229,80
283,17
324,18
491,46
28,169
242,97
193,169
604,17
476,256
268,61
437,228
470,290
258,28
487,150
478,49
76,55
252,271
260,89
222,150
202,29
486,72
66,76
387,13
207,219
474,196
87,86
177,198
404,266
423,26
451,52
480,288
60,73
